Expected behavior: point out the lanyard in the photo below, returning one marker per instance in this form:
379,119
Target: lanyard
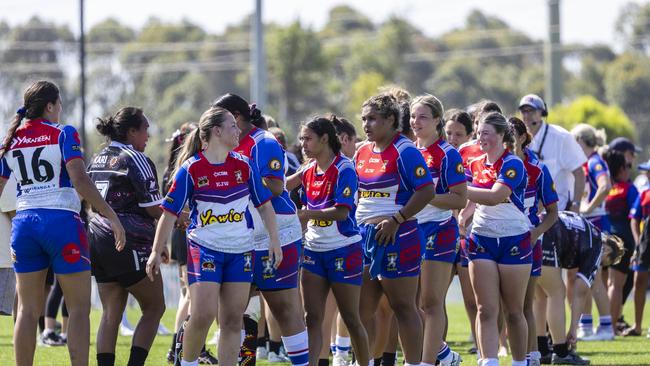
541,144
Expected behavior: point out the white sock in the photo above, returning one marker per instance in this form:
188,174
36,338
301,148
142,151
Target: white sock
371,362
518,363
297,347
535,355
426,364
491,362
342,345
190,363
411,364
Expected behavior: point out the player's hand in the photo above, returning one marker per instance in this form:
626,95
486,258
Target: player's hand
534,235
164,256
118,234
275,254
386,231
153,265
304,220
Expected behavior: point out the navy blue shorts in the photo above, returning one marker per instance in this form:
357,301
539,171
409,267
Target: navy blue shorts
442,240
207,265
267,278
342,265
399,259
506,250
41,238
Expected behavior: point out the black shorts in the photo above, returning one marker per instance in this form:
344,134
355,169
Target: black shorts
623,231
127,267
584,252
179,246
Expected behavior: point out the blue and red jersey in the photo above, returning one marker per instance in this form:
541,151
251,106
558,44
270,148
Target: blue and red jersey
388,179
218,196
641,207
594,168
468,152
37,155
336,186
447,170
540,187
507,218
620,200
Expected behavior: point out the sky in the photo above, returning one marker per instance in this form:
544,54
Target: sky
582,21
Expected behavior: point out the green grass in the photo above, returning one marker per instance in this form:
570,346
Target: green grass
621,352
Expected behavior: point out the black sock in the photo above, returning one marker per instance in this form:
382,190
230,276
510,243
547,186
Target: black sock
542,345
261,342
378,361
274,346
203,348
323,362
106,359
561,349
138,356
388,359
173,346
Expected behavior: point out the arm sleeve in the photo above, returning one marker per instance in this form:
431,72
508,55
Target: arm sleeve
259,193
270,159
5,171
636,212
597,168
143,178
415,172
632,195
454,171
70,144
546,188
512,173
181,189
346,188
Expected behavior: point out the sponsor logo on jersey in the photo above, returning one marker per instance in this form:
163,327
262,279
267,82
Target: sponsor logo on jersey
238,176
220,174
383,166
76,148
13,256
598,167
207,265
113,162
347,192
392,262
511,173
374,194
169,200
420,171
24,140
338,264
459,168
275,164
360,164
321,223
203,181
248,262
71,253
208,218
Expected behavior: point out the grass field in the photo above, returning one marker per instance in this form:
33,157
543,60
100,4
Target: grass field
621,352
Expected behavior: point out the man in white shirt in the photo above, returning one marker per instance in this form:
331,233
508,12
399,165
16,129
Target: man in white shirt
556,148
7,275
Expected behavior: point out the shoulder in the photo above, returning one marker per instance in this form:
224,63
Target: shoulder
343,163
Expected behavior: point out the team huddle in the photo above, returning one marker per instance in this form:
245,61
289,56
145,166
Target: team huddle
372,230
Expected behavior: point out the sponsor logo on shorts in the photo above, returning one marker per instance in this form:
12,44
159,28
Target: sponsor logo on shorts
248,262
392,262
71,253
514,251
207,265
338,264
431,242
267,268
307,260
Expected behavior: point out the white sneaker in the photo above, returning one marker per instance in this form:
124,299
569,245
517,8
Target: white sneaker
503,352
535,362
162,330
277,358
215,338
602,334
126,331
583,333
261,353
339,360
455,360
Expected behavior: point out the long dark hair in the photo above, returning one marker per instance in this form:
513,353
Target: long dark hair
239,106
326,126
117,126
520,128
35,99
176,140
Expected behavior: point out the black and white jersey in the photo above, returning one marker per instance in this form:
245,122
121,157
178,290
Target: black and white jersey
127,180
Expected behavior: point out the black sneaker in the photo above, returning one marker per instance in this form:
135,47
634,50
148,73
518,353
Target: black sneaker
571,359
52,339
546,359
206,358
170,356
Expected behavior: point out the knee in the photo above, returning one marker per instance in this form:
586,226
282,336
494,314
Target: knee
313,318
205,318
230,323
154,309
431,306
486,312
403,308
350,317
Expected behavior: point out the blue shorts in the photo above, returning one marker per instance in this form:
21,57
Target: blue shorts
45,237
342,265
601,222
640,268
267,278
536,269
441,240
208,265
399,259
461,257
507,250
